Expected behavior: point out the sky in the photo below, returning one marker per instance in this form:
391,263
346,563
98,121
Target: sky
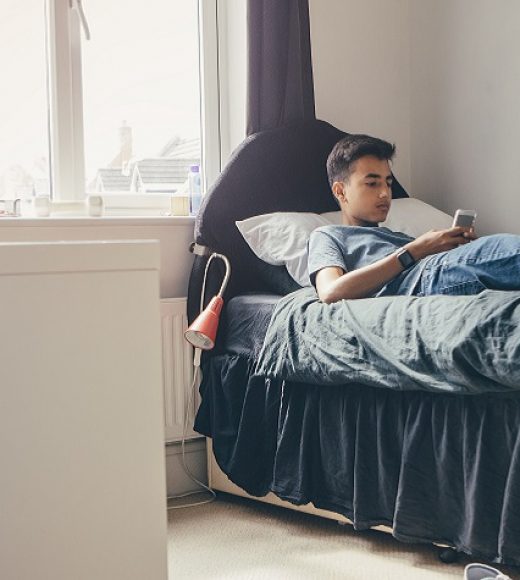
23,102
140,67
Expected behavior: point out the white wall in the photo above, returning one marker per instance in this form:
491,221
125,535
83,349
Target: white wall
465,89
439,78
361,56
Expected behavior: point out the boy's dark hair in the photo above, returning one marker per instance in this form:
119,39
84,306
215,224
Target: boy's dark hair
349,149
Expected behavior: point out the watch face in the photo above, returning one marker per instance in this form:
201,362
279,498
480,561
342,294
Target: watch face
406,259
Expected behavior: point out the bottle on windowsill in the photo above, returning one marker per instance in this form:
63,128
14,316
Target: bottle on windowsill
194,189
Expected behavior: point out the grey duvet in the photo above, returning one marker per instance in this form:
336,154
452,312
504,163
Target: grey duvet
458,344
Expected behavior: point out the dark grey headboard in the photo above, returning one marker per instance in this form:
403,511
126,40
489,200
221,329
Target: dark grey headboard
281,169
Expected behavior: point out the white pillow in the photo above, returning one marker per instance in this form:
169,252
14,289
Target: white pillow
281,238
415,217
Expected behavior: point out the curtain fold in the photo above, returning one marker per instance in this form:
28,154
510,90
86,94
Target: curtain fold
280,83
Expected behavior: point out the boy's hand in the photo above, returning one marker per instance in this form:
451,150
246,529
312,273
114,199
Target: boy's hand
470,234
434,241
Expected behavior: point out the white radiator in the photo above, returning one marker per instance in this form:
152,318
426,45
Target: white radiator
177,359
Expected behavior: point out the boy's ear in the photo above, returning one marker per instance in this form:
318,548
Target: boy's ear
338,189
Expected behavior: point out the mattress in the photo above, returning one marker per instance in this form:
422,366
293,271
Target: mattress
244,323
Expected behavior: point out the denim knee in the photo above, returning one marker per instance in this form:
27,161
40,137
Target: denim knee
490,262
486,249
496,245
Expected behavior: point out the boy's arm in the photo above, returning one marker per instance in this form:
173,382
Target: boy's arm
333,283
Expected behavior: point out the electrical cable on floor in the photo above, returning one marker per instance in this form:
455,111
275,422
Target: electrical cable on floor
196,375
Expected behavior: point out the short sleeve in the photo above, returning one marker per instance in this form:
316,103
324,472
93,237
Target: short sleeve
324,252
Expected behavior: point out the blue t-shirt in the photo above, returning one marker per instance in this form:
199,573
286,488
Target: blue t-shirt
352,247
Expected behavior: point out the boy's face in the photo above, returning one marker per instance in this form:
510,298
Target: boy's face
366,197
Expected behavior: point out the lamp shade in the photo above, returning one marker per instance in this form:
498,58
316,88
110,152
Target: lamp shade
203,330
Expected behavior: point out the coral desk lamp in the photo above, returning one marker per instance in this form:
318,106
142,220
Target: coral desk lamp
203,330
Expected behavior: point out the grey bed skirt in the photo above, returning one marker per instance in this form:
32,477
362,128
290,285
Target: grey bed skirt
435,467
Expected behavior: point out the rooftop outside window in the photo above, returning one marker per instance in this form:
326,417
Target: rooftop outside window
141,96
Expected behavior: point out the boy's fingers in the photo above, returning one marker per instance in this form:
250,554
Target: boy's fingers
456,231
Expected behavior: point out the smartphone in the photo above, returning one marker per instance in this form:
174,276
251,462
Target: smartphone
464,218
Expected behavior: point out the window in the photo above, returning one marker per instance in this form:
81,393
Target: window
24,142
123,115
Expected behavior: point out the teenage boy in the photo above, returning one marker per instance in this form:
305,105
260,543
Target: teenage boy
359,259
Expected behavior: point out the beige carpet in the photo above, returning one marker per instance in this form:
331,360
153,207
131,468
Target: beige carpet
234,538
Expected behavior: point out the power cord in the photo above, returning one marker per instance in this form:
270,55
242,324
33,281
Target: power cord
197,374
186,469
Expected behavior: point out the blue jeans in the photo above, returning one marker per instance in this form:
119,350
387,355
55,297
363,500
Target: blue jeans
490,262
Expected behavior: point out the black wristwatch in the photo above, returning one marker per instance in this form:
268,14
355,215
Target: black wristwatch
406,259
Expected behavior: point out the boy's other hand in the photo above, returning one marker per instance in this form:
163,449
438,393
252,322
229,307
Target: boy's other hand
436,241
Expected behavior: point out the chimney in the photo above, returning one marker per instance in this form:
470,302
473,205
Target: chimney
125,144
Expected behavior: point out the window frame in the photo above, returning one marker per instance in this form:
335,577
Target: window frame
66,135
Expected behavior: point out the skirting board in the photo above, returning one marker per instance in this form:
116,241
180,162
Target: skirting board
219,481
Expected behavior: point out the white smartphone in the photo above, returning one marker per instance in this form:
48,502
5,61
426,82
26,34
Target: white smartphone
464,218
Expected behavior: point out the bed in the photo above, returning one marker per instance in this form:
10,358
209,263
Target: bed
426,465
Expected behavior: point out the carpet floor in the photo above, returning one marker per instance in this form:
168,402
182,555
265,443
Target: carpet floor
240,539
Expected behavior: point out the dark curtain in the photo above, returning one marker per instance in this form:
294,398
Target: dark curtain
280,86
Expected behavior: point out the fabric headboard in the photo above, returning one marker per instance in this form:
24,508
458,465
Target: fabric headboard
282,169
